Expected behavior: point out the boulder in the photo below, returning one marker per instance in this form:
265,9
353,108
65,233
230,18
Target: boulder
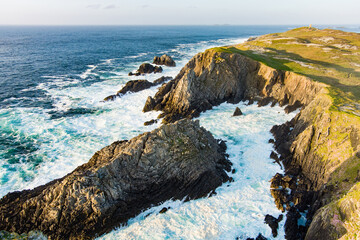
164,60
237,112
121,180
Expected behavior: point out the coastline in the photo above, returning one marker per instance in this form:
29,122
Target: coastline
300,142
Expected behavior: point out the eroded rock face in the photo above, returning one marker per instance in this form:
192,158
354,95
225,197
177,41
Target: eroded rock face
174,161
164,60
211,78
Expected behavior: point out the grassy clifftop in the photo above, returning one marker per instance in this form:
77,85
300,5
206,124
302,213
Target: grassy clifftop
328,56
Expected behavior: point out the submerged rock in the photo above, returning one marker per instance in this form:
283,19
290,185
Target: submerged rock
164,60
172,162
237,112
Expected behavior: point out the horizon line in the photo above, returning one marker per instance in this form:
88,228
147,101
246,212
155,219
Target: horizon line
169,25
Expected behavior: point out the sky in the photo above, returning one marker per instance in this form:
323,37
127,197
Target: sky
178,12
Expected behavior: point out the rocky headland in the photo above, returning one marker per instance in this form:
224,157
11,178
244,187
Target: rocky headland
176,161
320,147
315,71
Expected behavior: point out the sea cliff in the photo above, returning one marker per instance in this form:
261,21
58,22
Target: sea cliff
319,148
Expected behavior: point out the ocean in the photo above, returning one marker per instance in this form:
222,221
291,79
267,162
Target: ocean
52,119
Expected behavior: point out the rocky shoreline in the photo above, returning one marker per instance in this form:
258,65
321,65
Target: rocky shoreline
176,161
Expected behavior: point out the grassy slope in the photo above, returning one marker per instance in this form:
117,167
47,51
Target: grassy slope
328,56
331,57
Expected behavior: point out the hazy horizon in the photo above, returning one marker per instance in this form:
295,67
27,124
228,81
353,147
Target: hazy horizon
186,13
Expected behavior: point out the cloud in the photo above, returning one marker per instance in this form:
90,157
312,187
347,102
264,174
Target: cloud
145,6
93,6
112,6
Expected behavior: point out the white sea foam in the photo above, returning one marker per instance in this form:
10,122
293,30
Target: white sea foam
88,71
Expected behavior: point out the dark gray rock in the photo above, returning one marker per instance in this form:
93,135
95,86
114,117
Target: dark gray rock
164,60
273,223
151,122
121,180
130,86
135,86
237,112
146,68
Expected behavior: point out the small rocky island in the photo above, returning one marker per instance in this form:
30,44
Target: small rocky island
175,161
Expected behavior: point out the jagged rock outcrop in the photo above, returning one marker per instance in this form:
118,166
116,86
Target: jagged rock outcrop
164,60
174,161
212,77
146,68
137,86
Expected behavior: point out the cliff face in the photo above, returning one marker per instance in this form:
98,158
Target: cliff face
174,161
212,77
315,147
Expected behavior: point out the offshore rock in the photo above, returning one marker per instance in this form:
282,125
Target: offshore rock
172,162
164,60
162,79
137,86
146,68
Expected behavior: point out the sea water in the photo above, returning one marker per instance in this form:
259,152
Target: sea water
53,119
